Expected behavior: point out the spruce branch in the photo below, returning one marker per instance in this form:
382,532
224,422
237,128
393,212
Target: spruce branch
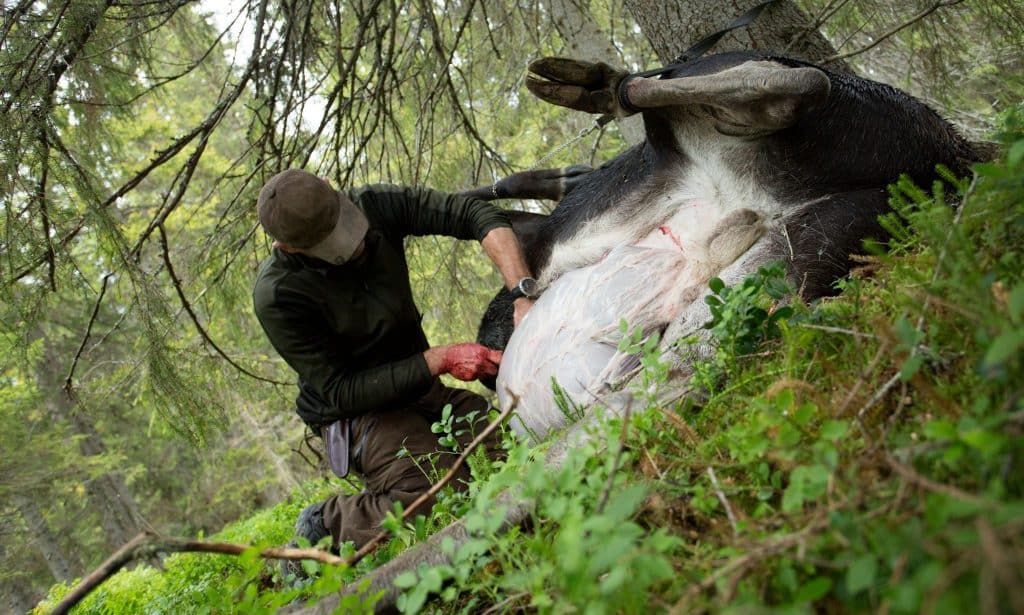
446,61
163,156
894,30
176,281
44,212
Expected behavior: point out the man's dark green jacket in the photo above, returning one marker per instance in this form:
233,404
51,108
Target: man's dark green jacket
352,331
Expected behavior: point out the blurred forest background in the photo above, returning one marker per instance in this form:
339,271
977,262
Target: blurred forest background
136,387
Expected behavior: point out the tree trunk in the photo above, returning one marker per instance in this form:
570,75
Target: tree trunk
43,538
119,514
17,597
673,25
584,40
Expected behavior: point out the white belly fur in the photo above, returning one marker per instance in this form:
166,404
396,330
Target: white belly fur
641,268
572,333
708,192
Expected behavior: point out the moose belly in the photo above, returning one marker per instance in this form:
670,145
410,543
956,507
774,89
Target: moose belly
571,336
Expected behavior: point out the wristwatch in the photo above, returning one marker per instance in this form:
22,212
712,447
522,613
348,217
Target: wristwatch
527,287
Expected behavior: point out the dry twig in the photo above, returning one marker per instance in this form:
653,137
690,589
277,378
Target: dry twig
606,492
885,35
724,501
924,482
766,550
149,543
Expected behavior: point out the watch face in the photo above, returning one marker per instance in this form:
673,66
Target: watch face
529,287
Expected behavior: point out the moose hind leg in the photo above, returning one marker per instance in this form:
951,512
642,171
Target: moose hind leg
751,98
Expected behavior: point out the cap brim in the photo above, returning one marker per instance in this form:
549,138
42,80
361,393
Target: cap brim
349,231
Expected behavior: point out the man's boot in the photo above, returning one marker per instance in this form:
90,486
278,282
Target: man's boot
310,525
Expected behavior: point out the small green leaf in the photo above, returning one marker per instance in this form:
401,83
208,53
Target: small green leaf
814,590
989,443
406,579
940,430
1016,300
1004,347
834,430
1016,154
793,497
910,367
804,413
861,574
716,285
990,169
782,313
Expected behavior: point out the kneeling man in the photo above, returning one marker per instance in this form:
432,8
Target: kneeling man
334,299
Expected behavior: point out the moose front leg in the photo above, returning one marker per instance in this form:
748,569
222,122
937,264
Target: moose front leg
549,184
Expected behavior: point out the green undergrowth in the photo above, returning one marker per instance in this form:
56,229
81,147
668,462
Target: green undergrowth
864,453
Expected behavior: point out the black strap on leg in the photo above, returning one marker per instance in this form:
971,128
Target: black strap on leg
694,52
706,43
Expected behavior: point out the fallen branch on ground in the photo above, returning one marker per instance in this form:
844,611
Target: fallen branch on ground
149,543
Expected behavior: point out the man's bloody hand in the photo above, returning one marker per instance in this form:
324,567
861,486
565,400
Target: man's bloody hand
466,361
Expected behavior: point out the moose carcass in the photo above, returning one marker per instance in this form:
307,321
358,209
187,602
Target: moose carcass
749,158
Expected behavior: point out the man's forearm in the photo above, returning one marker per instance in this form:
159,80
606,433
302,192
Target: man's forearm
502,246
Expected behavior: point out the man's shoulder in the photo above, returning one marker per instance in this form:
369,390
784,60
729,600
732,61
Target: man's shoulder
276,273
379,200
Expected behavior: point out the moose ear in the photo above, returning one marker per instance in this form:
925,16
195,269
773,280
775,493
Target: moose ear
585,86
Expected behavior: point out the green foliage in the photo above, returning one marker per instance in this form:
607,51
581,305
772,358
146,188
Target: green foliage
742,319
97,93
586,549
874,451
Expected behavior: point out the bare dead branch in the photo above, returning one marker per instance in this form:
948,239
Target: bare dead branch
147,544
765,550
911,475
69,387
723,500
